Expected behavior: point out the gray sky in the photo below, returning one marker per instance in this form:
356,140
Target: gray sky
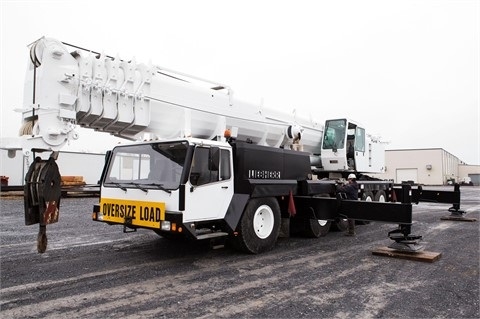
407,70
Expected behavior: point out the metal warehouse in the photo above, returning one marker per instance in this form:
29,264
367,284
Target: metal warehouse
430,166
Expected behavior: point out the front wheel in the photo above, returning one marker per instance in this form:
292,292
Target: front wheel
259,226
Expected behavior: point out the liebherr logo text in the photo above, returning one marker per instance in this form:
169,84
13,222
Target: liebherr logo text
263,174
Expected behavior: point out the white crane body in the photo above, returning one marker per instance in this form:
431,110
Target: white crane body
202,164
134,100
138,102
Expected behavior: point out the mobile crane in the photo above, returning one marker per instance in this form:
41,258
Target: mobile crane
202,164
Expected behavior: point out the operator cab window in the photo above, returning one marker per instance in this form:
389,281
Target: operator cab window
201,173
360,140
334,137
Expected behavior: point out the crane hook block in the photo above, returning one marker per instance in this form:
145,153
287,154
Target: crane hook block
42,196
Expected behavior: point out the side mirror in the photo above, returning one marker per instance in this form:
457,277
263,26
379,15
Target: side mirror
214,159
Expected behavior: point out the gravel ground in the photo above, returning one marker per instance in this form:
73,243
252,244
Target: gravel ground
92,270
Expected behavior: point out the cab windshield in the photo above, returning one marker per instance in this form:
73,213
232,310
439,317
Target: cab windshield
145,166
334,137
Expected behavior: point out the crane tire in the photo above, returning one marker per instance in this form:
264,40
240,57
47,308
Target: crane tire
380,196
315,228
368,196
341,224
259,226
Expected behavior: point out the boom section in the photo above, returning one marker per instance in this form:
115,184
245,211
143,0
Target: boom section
66,85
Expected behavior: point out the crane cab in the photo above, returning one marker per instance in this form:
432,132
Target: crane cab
347,147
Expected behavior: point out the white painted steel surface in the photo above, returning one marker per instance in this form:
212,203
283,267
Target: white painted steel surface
66,86
138,101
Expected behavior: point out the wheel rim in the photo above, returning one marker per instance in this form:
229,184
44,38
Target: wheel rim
322,222
381,198
263,221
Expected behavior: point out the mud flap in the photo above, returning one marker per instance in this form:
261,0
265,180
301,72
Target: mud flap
42,193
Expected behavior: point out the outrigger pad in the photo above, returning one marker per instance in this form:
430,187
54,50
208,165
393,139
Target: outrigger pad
424,256
458,218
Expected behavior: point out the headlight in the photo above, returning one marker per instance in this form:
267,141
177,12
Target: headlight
165,225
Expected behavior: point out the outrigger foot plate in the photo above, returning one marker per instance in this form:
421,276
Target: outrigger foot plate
406,246
456,212
406,243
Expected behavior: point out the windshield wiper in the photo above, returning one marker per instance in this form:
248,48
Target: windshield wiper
140,187
159,186
123,188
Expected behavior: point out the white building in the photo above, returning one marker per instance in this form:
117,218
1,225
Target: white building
88,165
430,166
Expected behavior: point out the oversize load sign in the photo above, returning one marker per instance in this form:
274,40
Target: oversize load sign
145,214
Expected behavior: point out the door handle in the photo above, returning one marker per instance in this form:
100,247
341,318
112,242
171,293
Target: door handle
224,187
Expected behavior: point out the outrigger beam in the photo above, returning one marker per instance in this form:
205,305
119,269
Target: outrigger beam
419,194
327,208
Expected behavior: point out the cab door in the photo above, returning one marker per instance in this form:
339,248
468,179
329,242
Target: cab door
210,185
334,155
361,153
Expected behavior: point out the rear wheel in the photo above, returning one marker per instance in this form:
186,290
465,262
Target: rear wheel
380,196
315,228
259,226
368,196
340,224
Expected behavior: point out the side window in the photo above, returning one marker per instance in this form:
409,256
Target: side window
225,165
360,140
200,173
329,138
